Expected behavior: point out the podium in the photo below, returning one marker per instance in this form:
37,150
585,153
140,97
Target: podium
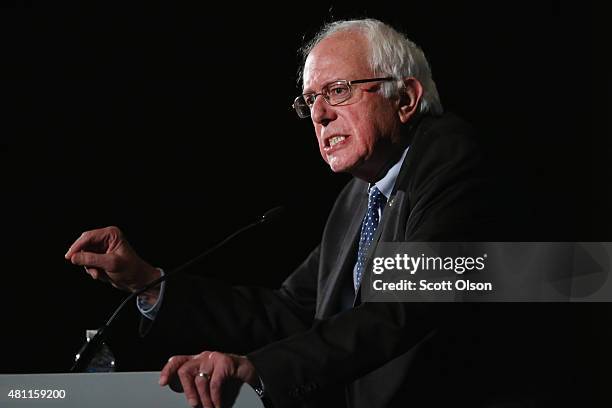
98,390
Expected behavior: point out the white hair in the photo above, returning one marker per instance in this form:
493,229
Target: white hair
391,54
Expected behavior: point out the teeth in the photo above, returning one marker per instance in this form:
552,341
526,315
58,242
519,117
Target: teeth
335,140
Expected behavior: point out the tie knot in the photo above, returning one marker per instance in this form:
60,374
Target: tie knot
376,198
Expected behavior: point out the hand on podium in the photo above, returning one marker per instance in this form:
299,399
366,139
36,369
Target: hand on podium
210,378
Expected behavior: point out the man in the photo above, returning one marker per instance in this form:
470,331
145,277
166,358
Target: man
418,177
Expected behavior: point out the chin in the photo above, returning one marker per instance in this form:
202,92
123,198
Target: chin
336,165
341,167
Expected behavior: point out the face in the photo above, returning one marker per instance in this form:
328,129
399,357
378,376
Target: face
360,135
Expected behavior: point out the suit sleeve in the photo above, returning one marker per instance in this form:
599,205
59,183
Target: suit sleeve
205,314
340,349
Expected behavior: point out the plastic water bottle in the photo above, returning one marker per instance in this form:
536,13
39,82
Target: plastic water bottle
103,360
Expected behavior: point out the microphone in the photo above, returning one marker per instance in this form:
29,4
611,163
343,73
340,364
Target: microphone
271,213
87,351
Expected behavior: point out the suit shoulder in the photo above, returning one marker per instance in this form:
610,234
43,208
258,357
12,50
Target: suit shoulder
448,128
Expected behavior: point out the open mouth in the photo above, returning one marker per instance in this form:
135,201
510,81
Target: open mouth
334,141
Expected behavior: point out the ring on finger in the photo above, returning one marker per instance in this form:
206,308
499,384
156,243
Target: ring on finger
204,375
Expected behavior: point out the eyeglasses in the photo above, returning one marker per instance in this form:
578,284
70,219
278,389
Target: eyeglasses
334,94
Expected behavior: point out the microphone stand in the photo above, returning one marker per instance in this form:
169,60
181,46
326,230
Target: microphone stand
88,350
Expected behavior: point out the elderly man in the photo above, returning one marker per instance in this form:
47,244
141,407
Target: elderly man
418,176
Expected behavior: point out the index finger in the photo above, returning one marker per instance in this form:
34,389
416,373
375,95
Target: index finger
171,367
88,239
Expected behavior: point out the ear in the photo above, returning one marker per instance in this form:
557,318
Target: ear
409,98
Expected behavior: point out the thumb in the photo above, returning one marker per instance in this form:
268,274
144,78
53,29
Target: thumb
106,262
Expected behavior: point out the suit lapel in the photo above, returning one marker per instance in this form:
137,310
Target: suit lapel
333,292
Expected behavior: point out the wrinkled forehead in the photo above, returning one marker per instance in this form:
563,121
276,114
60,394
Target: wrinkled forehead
342,55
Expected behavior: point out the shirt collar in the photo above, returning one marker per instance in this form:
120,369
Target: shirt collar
385,184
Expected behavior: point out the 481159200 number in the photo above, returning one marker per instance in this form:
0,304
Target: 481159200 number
37,394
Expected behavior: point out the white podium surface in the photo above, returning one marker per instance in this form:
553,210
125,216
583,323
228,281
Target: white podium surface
93,390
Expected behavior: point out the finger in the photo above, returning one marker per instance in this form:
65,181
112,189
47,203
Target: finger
171,367
99,237
97,273
106,262
86,238
187,373
220,364
202,383
203,355
93,272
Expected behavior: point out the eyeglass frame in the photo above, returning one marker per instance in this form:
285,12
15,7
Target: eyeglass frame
347,82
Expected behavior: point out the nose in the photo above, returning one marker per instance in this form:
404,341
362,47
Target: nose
322,113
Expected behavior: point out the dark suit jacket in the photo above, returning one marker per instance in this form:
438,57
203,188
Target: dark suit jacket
310,349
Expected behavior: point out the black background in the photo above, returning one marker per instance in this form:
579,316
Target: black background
175,124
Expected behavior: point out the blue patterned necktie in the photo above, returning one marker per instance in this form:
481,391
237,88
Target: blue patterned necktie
376,202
